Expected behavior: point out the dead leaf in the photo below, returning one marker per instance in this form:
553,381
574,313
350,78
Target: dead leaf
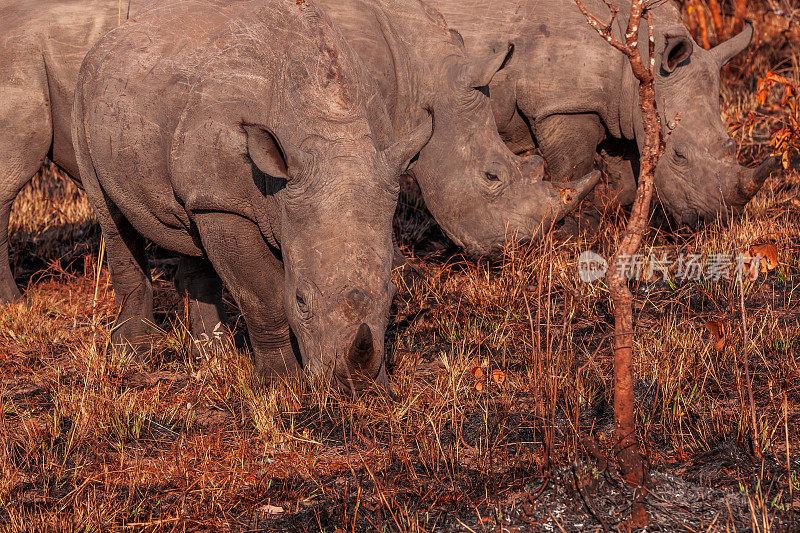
477,373
498,376
761,259
478,386
750,267
718,331
768,253
208,418
372,504
272,509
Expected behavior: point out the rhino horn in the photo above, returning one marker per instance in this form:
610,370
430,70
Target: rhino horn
726,51
383,385
362,350
751,180
563,198
573,192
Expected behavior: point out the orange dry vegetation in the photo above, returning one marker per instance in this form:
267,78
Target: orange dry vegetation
92,440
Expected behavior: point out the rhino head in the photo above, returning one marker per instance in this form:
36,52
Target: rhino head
479,192
337,199
698,177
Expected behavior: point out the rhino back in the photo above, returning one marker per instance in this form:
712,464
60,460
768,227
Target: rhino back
554,51
403,44
358,24
560,64
43,44
198,64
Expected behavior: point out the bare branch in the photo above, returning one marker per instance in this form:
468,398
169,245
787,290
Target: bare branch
606,32
651,42
631,45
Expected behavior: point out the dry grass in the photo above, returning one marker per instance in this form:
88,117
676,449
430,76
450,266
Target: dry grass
89,440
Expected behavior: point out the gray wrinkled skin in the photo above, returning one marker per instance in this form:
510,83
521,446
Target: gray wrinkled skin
42,45
44,42
247,133
477,190
574,94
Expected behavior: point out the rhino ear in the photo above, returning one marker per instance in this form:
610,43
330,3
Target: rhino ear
280,160
400,154
481,71
677,49
726,51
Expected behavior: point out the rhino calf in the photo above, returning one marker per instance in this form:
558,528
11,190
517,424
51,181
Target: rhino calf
569,92
248,133
479,192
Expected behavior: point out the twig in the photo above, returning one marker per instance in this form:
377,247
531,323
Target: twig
587,501
98,272
786,433
746,361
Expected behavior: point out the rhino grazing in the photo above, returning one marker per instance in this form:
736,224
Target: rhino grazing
477,190
569,92
246,134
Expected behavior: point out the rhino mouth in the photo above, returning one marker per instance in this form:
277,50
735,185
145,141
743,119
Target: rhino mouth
352,372
350,384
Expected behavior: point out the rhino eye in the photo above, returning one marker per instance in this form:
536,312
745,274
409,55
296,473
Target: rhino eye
483,89
303,304
491,177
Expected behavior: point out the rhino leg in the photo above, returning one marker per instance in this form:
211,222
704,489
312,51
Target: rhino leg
24,142
255,277
622,163
197,279
568,144
125,249
130,277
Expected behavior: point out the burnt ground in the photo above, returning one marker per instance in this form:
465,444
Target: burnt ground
502,415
